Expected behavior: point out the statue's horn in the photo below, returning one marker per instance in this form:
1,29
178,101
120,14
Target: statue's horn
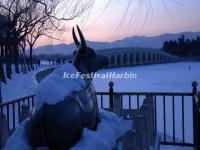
75,38
83,43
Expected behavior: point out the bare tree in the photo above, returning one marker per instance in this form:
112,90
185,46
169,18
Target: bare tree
43,28
2,76
25,15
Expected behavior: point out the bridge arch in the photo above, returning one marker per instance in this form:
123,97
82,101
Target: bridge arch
154,59
149,57
157,58
118,59
137,58
112,61
143,58
125,58
131,58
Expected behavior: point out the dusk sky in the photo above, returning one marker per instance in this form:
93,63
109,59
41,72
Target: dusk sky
116,19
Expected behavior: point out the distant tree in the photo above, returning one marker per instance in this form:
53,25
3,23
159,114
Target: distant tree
166,45
183,47
198,42
175,45
188,44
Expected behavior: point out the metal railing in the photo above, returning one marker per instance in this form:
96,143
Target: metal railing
164,98
133,100
138,96
12,110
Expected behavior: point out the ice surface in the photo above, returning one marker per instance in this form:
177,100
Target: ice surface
172,77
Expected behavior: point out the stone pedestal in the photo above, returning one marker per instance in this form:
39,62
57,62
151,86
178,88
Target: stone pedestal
140,124
129,140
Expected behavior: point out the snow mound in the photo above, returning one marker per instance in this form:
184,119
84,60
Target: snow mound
18,140
21,85
55,87
109,129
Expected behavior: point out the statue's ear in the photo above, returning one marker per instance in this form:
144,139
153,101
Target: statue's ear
76,57
82,47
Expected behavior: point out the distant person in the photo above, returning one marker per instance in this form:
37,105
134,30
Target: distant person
189,67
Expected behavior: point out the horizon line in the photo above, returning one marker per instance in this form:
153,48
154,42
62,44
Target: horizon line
149,36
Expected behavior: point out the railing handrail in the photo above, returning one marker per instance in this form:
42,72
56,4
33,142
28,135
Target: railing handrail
149,93
121,93
17,100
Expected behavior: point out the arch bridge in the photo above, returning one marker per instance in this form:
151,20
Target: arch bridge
120,57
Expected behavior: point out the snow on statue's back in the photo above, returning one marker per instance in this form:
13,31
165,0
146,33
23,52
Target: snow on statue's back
55,87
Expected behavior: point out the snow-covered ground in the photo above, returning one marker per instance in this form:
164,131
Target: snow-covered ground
174,77
21,84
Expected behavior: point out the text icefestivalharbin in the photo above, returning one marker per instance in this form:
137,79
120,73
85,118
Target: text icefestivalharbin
107,75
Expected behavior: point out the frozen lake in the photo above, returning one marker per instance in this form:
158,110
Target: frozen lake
174,77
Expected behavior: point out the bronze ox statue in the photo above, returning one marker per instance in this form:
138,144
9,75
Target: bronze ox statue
60,126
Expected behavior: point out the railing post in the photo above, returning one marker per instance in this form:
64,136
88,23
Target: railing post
198,121
111,84
3,131
0,92
194,87
194,91
25,113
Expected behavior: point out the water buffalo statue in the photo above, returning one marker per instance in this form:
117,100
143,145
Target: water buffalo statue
59,126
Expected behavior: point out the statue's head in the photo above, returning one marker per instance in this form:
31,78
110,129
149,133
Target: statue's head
85,58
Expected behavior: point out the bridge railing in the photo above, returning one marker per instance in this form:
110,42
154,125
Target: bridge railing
165,105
